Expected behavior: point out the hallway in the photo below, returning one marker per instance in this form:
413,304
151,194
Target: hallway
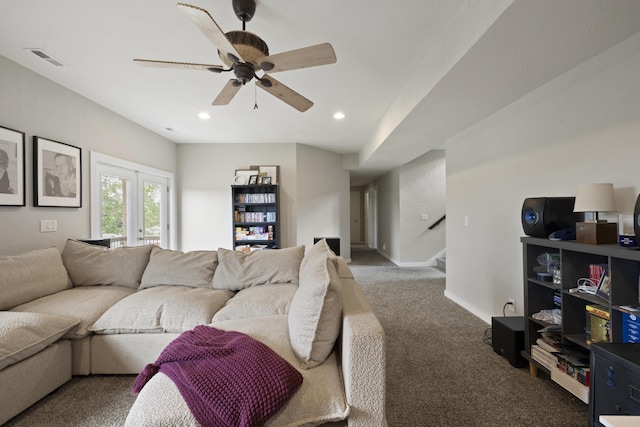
361,254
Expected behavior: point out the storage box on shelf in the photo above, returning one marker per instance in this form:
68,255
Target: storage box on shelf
576,261
256,218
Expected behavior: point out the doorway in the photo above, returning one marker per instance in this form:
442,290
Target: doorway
130,203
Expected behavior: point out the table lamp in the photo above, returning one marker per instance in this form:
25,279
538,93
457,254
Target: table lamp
596,198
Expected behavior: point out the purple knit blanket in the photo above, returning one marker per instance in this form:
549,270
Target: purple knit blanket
226,378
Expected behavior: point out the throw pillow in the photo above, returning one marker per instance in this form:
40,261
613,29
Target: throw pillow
30,276
175,268
90,265
315,315
25,334
238,270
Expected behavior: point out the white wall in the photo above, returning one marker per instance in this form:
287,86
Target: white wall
206,172
389,215
404,194
36,106
314,192
422,191
581,127
323,198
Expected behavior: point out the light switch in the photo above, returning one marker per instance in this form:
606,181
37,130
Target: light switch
48,225
425,217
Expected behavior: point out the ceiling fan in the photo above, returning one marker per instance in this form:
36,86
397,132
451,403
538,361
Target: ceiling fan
245,53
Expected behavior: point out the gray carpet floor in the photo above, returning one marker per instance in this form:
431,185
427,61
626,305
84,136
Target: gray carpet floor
440,370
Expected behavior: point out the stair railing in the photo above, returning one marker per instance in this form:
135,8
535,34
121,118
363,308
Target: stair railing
435,224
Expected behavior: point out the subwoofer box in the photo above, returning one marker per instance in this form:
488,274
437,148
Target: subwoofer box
541,216
507,339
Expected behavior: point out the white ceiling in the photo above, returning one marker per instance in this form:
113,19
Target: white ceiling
409,75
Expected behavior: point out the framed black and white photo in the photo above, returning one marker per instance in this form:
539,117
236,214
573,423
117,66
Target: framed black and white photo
271,171
12,191
266,180
57,174
253,179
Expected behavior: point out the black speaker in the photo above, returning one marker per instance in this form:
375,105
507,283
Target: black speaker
541,216
636,220
333,242
507,339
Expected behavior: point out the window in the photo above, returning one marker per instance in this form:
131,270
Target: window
131,203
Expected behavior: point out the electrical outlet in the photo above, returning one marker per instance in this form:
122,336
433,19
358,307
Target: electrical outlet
512,305
466,221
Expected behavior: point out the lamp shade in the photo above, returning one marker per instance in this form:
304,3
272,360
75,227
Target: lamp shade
595,198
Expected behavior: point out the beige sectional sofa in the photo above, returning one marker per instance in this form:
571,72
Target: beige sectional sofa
91,310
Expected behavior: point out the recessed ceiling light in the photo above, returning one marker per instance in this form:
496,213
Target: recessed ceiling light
204,116
338,116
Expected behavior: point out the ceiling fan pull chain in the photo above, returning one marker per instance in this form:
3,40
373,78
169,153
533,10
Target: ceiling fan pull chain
255,96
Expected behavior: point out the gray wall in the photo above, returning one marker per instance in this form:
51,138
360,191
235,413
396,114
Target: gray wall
36,106
581,127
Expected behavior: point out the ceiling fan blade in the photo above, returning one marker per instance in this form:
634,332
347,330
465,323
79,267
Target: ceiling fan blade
227,93
209,28
286,94
306,57
172,64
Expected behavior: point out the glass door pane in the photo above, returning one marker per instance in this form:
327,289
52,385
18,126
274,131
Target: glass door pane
152,213
115,221
130,203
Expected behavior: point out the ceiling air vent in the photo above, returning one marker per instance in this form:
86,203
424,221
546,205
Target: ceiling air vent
44,55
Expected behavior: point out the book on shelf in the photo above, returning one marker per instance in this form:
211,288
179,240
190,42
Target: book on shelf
249,198
598,326
545,358
550,347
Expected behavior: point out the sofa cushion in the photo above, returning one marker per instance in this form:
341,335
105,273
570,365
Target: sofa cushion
175,268
25,334
258,301
320,398
162,309
315,315
31,275
90,265
238,270
85,304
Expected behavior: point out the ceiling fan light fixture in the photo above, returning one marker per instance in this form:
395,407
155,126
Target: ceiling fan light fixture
204,115
265,82
339,115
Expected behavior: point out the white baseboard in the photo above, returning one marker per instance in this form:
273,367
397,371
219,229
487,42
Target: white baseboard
431,263
472,309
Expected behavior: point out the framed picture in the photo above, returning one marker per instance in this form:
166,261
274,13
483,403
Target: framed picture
57,174
270,171
604,286
242,176
253,179
12,192
266,180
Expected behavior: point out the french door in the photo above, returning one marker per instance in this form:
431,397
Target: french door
130,203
